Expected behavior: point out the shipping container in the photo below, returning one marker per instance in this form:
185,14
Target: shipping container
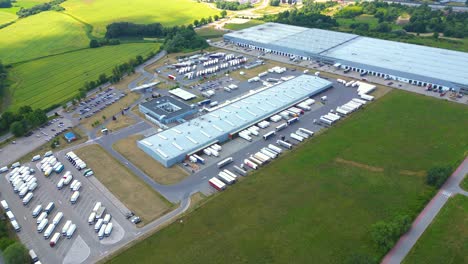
262,157
326,121
366,97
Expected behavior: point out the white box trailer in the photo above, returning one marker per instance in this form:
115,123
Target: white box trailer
245,136
281,127
207,151
253,131
296,137
58,217
96,207
28,198
303,107
74,197
250,164
66,226
71,230
366,97
228,172
213,152
359,101
255,160
42,225
342,111
309,102
284,115
54,240
77,187
217,184
326,121
240,170
275,148
262,157
299,133
49,231
284,144
41,217
263,124
216,147
306,131
337,117
225,178
225,162
275,118
268,153
108,230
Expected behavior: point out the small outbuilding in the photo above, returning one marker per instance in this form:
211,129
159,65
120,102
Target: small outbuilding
70,137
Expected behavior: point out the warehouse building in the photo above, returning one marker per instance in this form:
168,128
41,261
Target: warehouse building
165,110
414,64
175,144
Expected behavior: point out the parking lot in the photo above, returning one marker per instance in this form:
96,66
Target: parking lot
85,242
98,102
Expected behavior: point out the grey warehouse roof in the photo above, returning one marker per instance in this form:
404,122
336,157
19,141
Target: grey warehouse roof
415,60
311,40
425,61
249,109
154,106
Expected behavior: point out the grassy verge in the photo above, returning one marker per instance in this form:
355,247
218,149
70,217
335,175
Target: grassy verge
464,183
316,204
128,148
210,33
250,23
446,239
128,188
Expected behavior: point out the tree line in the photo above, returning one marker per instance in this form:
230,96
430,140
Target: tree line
52,5
5,4
177,38
229,5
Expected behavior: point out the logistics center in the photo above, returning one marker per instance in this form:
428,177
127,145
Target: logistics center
225,121
414,64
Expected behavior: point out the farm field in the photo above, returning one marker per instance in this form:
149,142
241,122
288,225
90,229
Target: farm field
103,12
250,23
43,82
40,35
316,204
127,187
6,17
446,239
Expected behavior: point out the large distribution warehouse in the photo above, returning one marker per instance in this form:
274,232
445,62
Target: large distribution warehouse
175,144
414,64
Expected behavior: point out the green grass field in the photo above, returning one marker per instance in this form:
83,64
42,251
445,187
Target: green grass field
446,239
6,17
464,183
40,35
41,83
316,204
103,12
248,24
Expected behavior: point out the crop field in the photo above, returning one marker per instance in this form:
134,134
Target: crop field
43,34
6,17
43,82
316,204
446,239
103,12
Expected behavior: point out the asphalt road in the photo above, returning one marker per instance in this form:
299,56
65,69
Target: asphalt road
425,218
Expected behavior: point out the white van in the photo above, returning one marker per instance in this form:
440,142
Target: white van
60,183
33,255
101,232
107,218
72,185
37,210
16,226
5,205
15,165
3,169
27,198
74,197
77,186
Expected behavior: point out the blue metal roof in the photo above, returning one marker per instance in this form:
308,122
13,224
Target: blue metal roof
232,116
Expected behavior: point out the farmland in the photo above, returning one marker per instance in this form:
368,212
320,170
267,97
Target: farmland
41,35
318,202
43,82
103,12
250,23
446,239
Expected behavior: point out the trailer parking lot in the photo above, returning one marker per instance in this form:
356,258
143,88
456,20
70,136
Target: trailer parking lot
85,242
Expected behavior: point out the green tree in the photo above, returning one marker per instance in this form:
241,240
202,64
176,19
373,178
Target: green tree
94,44
275,2
17,128
5,3
224,13
437,176
383,27
103,78
196,23
216,17
435,35
382,234
16,253
5,242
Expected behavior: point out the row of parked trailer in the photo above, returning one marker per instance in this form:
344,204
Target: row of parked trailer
68,229
341,111
75,160
102,222
23,183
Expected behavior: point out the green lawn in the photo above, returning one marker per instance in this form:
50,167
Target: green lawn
446,239
6,17
41,83
210,33
43,34
102,12
248,24
311,207
464,183
369,19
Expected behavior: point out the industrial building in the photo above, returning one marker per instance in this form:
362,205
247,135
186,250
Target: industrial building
414,64
165,110
225,121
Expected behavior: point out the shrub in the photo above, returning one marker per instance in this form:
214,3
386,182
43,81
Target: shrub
437,176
